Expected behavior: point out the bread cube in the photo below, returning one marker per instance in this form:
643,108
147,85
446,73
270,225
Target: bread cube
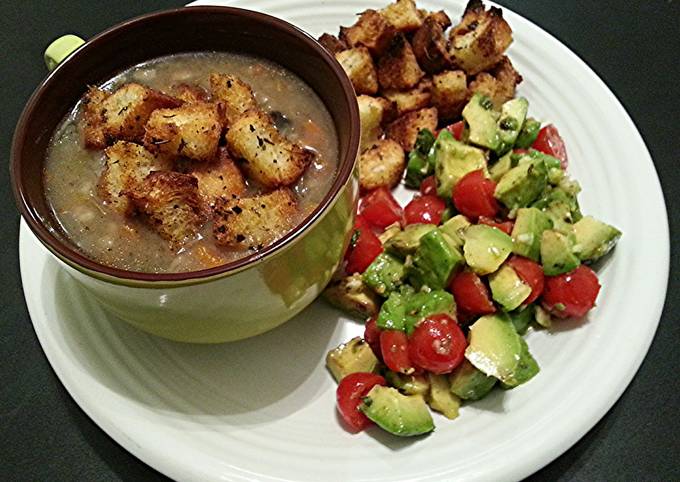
359,67
398,68
403,15
235,95
372,31
405,129
449,93
190,94
382,165
373,113
498,84
220,177
410,100
430,47
332,43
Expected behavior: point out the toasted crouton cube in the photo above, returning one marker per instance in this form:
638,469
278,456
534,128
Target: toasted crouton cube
405,129
271,159
441,18
220,177
410,100
122,114
507,77
236,96
170,204
498,84
126,165
192,131
190,93
253,223
359,67
372,31
480,39
373,113
403,15
332,43
381,165
430,47
449,93
398,68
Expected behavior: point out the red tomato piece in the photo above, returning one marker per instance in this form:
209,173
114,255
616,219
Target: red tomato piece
571,294
428,186
425,210
363,249
531,273
471,294
473,196
437,344
349,393
394,349
457,129
505,226
372,337
380,208
550,142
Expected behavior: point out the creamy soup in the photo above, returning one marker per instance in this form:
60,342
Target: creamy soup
128,241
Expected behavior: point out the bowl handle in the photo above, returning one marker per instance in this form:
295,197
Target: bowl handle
61,48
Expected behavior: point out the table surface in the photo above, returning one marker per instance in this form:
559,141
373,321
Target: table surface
633,46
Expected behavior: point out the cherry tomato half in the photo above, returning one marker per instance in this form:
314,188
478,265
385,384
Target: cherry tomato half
380,208
425,210
372,337
437,344
550,142
471,294
349,393
428,186
473,196
531,273
571,294
505,226
457,129
363,249
394,349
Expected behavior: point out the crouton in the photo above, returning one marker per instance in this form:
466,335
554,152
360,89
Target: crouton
507,77
410,100
372,31
270,158
235,95
373,113
403,15
430,47
481,38
359,67
220,177
381,165
120,115
253,223
449,93
332,43
352,295
398,68
498,84
405,129
441,18
170,203
125,166
190,93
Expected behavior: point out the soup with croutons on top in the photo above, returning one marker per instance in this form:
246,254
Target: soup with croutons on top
190,161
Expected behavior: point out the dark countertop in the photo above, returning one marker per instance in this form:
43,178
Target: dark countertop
633,46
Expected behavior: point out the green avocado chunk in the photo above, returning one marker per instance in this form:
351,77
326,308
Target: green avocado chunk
453,160
385,274
522,317
481,119
351,357
542,317
513,114
353,296
507,288
593,238
522,184
454,230
402,311
434,262
502,165
486,248
420,159
527,231
441,398
469,383
494,346
408,384
407,241
556,253
526,369
402,415
528,134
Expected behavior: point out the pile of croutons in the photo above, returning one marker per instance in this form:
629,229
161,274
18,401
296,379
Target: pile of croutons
409,74
181,159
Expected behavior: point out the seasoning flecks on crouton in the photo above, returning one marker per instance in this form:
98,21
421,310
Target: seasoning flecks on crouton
359,67
410,100
373,113
381,165
236,95
190,93
218,178
253,223
332,43
120,115
270,158
170,204
126,165
192,131
480,39
398,67
405,129
372,31
430,47
403,15
449,93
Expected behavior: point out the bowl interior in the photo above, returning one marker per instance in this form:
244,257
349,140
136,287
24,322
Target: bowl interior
192,29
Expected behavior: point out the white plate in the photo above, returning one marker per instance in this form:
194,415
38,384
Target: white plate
263,408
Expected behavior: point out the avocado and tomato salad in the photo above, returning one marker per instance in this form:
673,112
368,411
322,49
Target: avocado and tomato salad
492,244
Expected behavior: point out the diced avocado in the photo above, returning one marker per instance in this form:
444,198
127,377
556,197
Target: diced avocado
513,114
407,241
420,161
434,262
385,274
390,231
507,288
502,165
543,318
481,118
556,253
441,398
594,238
351,357
402,415
408,384
528,134
455,228
527,231
522,184
453,160
526,369
423,304
353,296
494,346
469,383
522,317
486,248
392,315
561,217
